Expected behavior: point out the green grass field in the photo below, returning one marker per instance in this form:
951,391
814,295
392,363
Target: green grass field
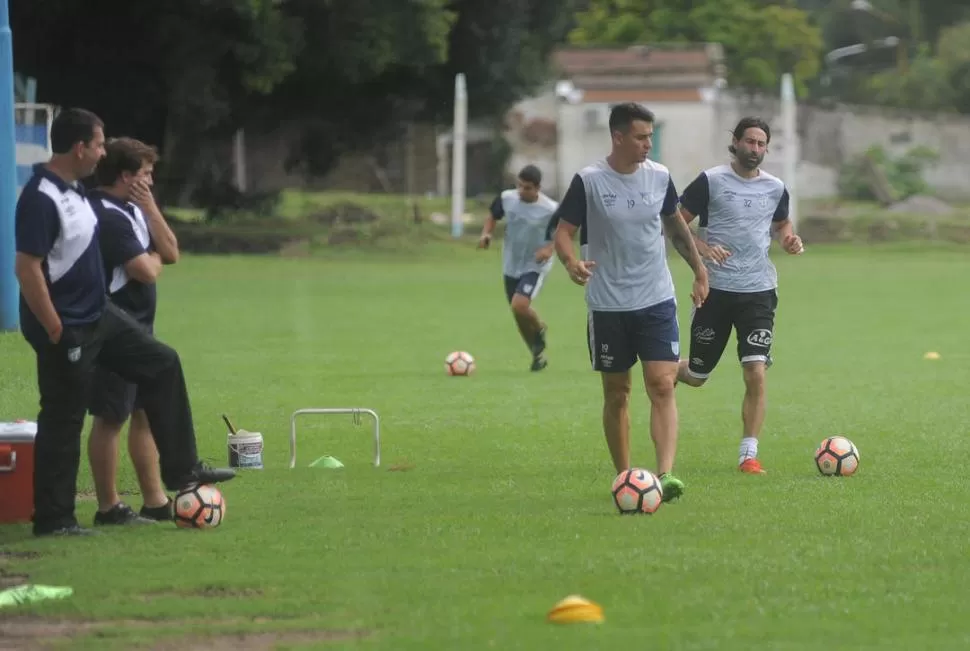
507,508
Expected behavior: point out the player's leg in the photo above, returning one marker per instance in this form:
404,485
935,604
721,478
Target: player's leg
511,283
530,325
754,320
144,457
63,377
133,353
110,405
613,358
657,340
710,329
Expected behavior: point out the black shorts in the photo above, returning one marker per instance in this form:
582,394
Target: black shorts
751,315
527,284
112,397
618,339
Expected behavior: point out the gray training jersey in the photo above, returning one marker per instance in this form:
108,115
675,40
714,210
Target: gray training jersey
526,230
737,213
621,231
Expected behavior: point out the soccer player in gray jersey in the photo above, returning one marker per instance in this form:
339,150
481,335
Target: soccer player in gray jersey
739,208
622,205
526,253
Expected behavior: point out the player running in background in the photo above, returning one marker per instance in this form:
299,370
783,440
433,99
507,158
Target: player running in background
526,253
622,205
739,207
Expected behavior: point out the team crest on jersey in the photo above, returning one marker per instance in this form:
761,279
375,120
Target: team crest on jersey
763,200
74,354
609,199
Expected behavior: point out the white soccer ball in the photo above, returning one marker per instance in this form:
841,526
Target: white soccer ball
459,363
199,507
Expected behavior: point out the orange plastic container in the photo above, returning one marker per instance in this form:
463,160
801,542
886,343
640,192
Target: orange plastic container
17,471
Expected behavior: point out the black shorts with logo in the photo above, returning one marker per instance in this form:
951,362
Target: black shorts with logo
528,284
751,315
617,339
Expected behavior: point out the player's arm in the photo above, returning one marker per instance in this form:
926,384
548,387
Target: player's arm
37,227
547,250
495,212
121,248
30,274
683,241
782,228
679,232
694,202
163,238
569,217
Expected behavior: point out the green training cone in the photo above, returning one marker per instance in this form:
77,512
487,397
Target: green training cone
327,462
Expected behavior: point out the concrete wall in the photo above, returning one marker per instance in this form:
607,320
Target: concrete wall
694,136
828,137
561,139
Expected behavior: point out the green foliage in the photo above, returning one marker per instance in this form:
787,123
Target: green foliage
904,173
925,86
953,51
932,83
760,42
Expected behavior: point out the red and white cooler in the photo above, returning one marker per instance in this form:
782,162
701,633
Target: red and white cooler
17,471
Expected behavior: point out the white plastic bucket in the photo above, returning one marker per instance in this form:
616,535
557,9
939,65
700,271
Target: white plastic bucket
245,449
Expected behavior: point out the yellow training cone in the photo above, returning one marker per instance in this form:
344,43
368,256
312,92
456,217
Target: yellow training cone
931,355
575,608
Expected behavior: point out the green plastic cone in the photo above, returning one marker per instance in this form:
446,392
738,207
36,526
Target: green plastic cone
327,462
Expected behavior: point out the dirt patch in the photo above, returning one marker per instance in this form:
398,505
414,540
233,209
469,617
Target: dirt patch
40,633
12,579
19,556
91,496
218,591
296,249
344,213
255,641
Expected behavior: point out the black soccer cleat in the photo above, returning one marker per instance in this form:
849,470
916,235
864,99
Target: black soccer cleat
120,513
73,530
162,513
538,363
203,473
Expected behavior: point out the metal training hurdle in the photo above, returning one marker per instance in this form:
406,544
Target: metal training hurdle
354,411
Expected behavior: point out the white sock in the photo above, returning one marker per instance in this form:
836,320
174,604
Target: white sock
748,450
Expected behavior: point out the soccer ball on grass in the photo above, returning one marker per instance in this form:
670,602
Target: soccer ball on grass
637,491
837,456
199,507
459,363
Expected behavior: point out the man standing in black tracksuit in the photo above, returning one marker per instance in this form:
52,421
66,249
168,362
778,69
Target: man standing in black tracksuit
72,326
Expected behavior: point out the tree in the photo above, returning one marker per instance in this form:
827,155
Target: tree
188,72
953,51
761,41
405,70
931,83
151,70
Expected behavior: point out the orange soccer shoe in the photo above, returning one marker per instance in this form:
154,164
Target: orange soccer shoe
751,467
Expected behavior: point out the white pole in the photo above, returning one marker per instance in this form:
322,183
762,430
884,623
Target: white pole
789,128
239,159
458,137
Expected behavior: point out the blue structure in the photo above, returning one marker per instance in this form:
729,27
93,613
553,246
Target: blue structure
9,290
